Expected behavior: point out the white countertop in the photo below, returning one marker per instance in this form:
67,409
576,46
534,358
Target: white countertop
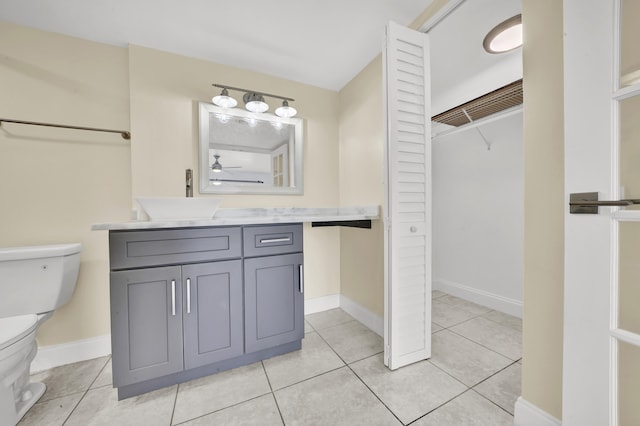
255,216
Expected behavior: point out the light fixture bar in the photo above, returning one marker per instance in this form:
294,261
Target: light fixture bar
257,92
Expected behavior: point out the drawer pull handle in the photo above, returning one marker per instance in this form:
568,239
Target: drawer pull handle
188,295
275,240
301,285
173,297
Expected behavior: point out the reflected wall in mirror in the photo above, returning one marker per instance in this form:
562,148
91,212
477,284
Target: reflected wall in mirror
249,153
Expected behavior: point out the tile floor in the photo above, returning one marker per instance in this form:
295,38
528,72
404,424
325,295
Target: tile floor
338,378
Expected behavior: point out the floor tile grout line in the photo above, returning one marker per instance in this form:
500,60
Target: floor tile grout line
375,394
86,391
447,373
309,378
457,323
175,403
491,401
497,372
484,346
222,409
74,409
99,372
441,405
273,395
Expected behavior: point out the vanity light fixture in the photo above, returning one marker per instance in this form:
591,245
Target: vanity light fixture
254,101
224,100
505,36
285,110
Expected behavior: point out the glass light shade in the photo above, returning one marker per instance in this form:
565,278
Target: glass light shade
286,111
257,106
224,100
254,102
505,36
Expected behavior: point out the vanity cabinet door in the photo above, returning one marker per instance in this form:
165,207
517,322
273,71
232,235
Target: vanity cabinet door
212,312
146,324
274,303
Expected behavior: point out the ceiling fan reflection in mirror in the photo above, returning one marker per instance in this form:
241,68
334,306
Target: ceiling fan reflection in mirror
217,167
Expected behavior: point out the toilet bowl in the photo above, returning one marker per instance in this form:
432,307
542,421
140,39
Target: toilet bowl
34,281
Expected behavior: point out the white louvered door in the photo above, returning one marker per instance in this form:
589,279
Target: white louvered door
407,207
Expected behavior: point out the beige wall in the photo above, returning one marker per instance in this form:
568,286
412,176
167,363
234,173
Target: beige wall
544,205
54,184
362,182
165,90
361,135
361,138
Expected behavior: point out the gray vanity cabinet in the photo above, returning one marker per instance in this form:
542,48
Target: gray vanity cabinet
212,312
188,302
166,319
273,301
144,325
273,286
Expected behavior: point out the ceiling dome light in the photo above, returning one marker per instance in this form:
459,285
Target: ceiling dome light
254,102
505,36
285,110
224,100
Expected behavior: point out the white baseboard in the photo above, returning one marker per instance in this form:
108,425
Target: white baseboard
319,304
371,320
481,297
66,353
527,414
81,350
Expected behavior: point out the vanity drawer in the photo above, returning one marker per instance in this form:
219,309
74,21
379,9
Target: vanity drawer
272,239
134,249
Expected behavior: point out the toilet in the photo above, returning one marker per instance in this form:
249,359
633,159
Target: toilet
34,282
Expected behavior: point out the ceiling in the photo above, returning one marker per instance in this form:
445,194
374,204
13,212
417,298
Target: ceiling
323,43
461,70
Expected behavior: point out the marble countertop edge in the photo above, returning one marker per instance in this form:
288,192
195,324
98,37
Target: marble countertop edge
240,216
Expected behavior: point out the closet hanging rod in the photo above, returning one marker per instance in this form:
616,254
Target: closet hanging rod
125,134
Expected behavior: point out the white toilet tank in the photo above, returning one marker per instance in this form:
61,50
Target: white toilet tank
37,279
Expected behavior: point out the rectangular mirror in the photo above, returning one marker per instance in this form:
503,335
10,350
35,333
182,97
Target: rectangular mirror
249,153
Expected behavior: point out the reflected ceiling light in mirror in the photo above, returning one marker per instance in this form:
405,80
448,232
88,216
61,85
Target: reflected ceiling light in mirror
224,100
254,101
505,36
223,118
285,110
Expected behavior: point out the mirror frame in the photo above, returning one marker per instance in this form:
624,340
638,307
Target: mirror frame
204,111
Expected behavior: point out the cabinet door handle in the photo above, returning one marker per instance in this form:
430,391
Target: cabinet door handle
301,285
188,295
275,240
173,297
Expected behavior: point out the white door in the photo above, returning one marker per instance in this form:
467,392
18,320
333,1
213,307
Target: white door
407,332
601,366
280,166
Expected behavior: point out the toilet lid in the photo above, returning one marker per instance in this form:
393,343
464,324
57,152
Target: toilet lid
15,328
